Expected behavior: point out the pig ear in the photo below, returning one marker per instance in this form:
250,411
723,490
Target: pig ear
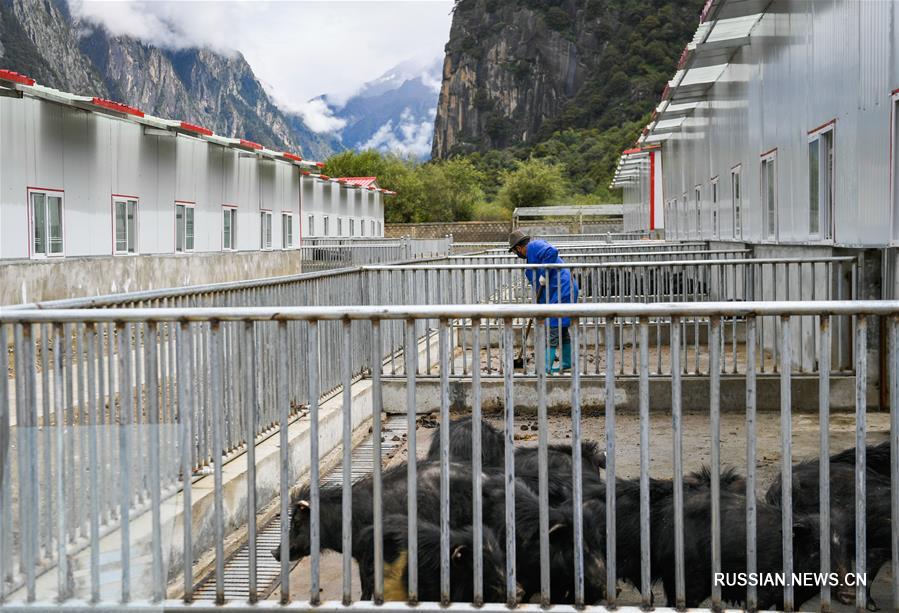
303,506
803,526
458,552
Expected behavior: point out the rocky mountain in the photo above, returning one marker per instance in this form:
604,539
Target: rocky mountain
40,38
394,112
515,71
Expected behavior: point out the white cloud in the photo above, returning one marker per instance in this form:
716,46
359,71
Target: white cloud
300,48
409,137
317,115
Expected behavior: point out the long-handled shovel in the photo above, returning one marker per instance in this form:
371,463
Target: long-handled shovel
519,361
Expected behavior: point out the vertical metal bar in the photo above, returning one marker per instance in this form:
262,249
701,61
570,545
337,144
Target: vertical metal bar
5,478
894,451
217,351
444,349
715,424
62,560
611,515
861,372
284,457
152,361
411,357
26,455
251,409
751,548
123,333
45,406
186,382
94,477
677,431
645,570
376,409
577,476
347,506
477,494
314,502
542,459
786,432
824,451
509,434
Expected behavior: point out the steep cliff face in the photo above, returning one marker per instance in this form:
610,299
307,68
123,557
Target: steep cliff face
515,70
40,38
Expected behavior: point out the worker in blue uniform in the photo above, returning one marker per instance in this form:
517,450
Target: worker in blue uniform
552,286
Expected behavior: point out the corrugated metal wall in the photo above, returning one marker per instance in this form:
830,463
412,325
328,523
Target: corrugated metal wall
93,158
808,63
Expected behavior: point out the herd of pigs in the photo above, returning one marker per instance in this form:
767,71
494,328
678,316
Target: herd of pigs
697,526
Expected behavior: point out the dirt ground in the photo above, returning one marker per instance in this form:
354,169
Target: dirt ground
696,452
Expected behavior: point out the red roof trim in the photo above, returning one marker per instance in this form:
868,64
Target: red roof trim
195,129
324,177
320,164
629,151
292,156
15,77
705,10
117,106
250,144
306,173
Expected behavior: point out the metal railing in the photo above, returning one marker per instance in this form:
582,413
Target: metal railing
114,448
317,254
619,247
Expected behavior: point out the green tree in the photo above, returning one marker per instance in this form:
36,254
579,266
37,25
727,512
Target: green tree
533,183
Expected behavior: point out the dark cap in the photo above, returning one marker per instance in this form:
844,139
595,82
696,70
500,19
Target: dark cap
516,237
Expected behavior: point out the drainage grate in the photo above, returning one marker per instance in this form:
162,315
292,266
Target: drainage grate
268,570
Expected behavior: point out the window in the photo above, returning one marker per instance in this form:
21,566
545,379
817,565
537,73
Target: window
820,183
184,227
352,227
265,230
286,230
311,225
769,195
361,227
325,230
736,202
125,225
373,232
46,223
715,207
229,228
697,198
339,226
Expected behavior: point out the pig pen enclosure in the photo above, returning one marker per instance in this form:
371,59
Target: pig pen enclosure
403,418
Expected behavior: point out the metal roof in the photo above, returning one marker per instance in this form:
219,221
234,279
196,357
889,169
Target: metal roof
18,84
361,181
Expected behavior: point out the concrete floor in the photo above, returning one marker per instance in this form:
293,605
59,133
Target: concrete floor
696,453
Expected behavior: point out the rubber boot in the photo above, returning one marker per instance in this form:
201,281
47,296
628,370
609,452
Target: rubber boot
566,356
550,360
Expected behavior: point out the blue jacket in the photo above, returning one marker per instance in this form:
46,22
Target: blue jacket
558,280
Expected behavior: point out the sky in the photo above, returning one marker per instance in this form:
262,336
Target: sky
298,49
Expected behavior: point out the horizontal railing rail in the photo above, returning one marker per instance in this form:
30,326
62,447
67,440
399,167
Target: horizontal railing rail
97,508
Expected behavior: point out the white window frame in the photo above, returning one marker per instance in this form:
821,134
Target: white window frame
230,210
894,171
187,206
352,227
716,197
132,234
287,230
736,201
769,205
340,226
310,222
825,193
32,222
325,229
361,227
265,230
697,201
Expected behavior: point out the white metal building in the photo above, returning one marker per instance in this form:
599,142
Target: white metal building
780,125
639,174
83,176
